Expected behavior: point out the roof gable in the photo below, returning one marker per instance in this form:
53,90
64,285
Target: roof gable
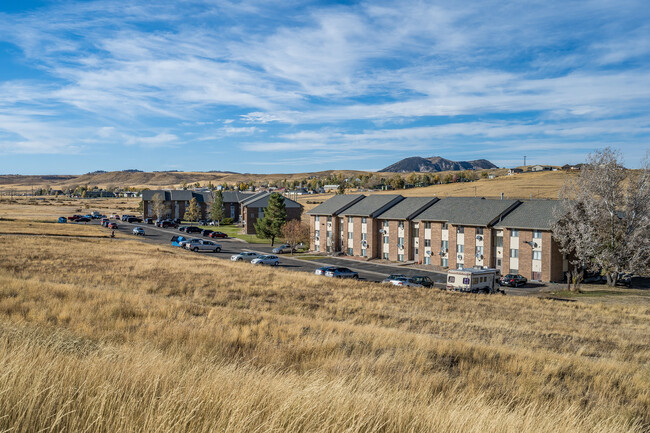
336,204
408,208
533,214
372,205
471,211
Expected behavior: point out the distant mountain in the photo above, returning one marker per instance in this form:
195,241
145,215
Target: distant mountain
436,163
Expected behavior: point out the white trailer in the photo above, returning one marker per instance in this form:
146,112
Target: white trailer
474,280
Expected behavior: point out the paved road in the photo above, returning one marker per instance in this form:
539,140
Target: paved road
367,271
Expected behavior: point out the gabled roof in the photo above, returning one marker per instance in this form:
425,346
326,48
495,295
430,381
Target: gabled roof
235,196
253,197
408,208
534,214
470,211
177,195
147,195
372,205
336,204
262,201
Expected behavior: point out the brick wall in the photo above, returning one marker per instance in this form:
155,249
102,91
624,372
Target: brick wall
356,235
452,247
506,252
470,247
526,254
436,242
373,238
488,253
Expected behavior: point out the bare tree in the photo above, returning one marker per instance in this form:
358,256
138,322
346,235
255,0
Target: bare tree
158,205
604,221
295,233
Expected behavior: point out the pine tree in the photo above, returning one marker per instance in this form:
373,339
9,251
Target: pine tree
217,211
275,216
193,212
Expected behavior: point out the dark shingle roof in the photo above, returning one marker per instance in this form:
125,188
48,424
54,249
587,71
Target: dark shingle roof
253,197
336,204
408,208
148,194
235,196
534,214
471,211
262,201
177,195
372,205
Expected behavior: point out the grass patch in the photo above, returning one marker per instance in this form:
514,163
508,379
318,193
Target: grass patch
235,231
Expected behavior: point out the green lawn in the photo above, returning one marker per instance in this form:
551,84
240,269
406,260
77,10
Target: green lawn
234,231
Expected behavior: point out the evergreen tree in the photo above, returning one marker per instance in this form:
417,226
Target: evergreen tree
193,212
275,216
217,211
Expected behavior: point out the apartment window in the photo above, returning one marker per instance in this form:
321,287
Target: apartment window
364,236
479,252
479,230
427,242
363,220
384,256
460,248
350,235
537,276
400,242
364,252
460,266
329,219
444,245
444,262
460,229
341,222
499,241
317,218
400,224
445,226
427,260
537,255
427,225
317,233
400,257
317,248
514,233
514,253
416,231
328,234
514,271
537,234
385,224
350,219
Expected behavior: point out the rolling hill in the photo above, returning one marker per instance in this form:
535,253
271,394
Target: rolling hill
436,164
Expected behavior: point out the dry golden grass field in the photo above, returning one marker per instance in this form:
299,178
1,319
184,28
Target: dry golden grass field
115,335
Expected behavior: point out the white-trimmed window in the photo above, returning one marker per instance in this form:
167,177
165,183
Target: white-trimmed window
317,218
514,253
537,234
537,255
514,233
460,248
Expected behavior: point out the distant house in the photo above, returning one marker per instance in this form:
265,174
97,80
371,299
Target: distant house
330,188
252,209
514,171
539,168
232,203
569,167
99,193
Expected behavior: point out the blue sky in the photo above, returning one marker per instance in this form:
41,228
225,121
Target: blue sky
293,86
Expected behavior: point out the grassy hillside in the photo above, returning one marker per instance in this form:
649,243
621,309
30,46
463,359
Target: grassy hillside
113,335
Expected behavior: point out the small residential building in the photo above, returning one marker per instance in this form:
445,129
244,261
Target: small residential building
513,171
539,168
252,209
330,188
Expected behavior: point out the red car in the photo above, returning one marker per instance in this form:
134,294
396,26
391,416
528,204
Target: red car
112,225
218,235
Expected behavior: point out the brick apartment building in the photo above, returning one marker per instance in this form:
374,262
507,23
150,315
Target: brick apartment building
511,235
176,202
252,209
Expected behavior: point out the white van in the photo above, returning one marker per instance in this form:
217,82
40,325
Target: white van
474,280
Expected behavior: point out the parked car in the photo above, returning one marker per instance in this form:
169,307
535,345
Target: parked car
266,260
138,231
115,217
323,269
186,240
181,228
74,217
206,232
218,235
192,229
513,280
203,222
404,281
149,221
391,277
112,226
82,219
423,280
105,222
244,256
176,240
63,220
197,245
133,220
167,223
125,217
341,273
284,248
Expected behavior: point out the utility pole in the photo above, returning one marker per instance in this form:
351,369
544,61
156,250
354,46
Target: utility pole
524,161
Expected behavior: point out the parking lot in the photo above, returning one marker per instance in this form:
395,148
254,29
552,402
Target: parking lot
367,271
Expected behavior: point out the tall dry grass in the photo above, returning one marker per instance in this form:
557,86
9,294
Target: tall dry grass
115,335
